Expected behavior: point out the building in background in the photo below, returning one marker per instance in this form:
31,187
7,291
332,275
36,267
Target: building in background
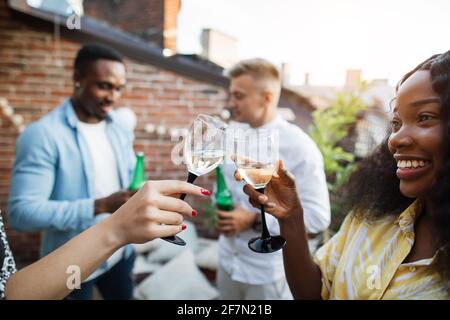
285,74
352,80
220,48
373,123
154,21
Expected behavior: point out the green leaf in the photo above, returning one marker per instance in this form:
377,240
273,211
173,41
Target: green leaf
329,127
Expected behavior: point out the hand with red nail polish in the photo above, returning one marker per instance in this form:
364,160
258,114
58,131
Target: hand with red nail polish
152,212
155,211
206,192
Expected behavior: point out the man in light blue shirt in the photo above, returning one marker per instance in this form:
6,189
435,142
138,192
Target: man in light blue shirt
73,167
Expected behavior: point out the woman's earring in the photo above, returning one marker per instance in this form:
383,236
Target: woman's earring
77,84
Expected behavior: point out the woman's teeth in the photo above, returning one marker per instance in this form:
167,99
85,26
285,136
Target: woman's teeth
407,164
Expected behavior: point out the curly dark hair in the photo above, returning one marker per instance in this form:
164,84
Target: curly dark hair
373,192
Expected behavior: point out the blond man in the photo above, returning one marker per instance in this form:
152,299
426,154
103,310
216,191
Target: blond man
254,93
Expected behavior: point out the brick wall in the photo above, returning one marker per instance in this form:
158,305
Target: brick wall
152,20
35,76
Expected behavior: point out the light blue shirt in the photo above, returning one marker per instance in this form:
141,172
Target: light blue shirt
52,188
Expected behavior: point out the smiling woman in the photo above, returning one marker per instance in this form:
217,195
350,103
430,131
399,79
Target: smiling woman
419,143
416,140
395,243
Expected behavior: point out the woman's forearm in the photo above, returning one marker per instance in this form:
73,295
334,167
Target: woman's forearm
48,277
150,213
302,273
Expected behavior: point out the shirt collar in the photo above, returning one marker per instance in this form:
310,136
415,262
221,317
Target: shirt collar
409,216
275,122
406,222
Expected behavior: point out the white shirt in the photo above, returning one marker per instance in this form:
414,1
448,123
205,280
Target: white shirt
106,179
303,159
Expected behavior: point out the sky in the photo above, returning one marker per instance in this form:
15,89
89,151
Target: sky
383,38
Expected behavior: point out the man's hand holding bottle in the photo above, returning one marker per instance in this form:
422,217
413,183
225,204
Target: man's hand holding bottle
112,202
233,222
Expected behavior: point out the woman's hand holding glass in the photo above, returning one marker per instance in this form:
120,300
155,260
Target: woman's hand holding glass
280,197
203,151
256,155
154,212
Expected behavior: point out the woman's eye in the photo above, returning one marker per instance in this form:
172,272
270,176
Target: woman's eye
395,124
239,96
425,117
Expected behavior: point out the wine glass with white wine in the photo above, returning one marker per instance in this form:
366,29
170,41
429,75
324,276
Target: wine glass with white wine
203,151
256,157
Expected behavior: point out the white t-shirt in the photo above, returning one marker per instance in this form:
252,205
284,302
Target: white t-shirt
104,163
106,172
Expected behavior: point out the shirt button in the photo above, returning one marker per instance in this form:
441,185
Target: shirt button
412,269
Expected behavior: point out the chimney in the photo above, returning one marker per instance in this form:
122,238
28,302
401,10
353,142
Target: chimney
152,20
353,79
285,74
306,79
379,82
219,47
171,10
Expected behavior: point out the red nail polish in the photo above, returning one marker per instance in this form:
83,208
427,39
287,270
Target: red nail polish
205,192
183,227
194,213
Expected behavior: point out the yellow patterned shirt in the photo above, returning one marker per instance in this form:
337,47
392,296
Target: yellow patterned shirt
365,261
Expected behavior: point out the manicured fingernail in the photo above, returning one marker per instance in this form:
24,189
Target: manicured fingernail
205,192
183,227
194,213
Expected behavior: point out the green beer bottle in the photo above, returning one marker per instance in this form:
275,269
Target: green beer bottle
139,175
224,200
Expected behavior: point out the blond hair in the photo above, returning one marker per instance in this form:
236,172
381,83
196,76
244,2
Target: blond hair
264,72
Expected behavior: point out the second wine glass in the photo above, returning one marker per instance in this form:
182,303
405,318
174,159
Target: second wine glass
256,156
